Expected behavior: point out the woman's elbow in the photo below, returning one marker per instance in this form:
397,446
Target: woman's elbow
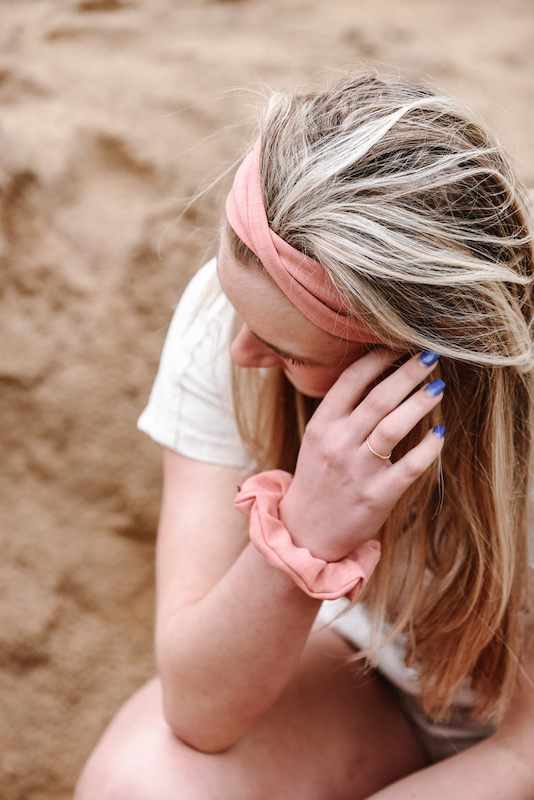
192,719
197,730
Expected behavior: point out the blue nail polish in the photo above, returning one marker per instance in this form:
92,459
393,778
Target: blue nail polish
429,357
435,388
439,430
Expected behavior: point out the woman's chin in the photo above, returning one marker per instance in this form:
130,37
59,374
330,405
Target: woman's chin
306,390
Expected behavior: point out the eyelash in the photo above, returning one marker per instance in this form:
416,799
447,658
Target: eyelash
293,361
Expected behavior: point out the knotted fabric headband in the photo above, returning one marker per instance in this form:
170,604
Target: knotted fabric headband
302,279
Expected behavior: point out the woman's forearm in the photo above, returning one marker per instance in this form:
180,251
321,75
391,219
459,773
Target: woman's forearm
224,659
487,771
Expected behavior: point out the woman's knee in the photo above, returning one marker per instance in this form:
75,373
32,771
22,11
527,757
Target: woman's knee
327,734
115,779
138,757
141,766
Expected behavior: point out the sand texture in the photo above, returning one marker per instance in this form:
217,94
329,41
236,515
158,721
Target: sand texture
112,113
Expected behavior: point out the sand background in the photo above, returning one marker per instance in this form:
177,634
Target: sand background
112,113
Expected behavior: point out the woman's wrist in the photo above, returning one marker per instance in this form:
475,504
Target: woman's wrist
320,545
259,498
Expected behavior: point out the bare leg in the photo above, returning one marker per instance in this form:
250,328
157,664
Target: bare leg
335,733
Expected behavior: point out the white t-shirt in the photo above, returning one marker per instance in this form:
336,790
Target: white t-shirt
190,410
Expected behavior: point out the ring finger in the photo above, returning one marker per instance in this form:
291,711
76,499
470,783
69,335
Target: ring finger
398,423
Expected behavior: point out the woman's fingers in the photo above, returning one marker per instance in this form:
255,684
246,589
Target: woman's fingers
399,476
398,423
389,393
353,382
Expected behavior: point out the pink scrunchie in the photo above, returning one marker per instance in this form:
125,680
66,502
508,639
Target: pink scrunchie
259,498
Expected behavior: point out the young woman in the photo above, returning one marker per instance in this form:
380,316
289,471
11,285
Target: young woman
376,268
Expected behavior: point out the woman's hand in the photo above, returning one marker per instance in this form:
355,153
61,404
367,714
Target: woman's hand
342,492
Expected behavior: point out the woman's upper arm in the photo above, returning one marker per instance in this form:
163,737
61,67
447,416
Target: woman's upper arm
201,533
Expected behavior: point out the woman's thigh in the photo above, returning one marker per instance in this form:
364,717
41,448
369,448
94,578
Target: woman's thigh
335,733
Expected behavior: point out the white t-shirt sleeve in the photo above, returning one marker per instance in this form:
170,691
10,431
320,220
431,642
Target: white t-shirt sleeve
190,409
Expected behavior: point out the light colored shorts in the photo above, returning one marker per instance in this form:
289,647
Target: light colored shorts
438,740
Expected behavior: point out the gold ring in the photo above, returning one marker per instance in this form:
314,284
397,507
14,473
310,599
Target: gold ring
379,455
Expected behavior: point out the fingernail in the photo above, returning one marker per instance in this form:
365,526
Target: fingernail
428,358
439,430
435,388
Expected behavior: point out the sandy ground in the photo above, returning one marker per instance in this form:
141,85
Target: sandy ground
112,113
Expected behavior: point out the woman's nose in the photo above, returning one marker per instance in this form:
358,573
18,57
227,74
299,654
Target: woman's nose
247,351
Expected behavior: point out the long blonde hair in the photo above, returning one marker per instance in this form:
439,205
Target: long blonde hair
407,200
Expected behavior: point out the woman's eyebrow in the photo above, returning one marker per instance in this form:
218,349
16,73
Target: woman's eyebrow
283,353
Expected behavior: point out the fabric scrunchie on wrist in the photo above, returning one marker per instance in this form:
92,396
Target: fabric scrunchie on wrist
259,498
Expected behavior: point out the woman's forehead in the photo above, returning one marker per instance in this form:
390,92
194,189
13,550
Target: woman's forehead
271,316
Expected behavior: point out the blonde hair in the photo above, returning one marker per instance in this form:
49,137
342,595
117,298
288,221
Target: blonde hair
407,200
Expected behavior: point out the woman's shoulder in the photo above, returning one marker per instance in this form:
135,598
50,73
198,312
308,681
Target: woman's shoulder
201,325
190,409
202,293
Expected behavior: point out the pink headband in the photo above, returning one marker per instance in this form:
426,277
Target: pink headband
302,279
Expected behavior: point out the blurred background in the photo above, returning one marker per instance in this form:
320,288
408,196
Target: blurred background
112,114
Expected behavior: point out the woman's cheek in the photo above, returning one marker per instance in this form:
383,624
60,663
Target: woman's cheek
312,381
